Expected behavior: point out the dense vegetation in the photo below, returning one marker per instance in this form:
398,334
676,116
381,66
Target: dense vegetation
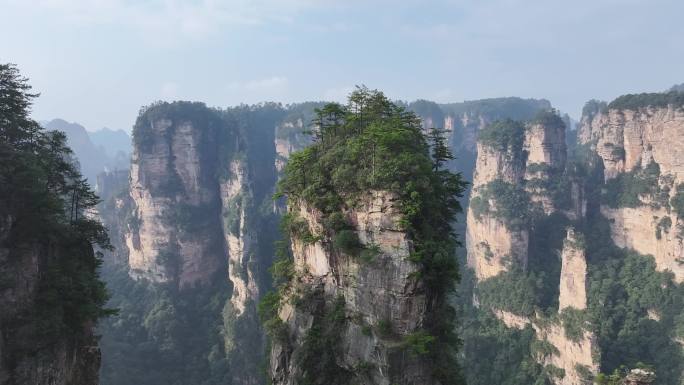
629,189
625,296
511,203
637,101
191,335
506,136
592,108
164,335
498,108
374,145
44,205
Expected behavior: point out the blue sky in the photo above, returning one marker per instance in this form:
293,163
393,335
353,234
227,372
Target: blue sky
98,61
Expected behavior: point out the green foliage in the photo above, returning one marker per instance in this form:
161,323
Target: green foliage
574,323
498,108
512,203
318,355
44,201
347,241
370,145
384,328
418,343
677,201
637,101
165,336
626,189
549,118
622,290
504,135
512,290
592,108
268,312
495,354
298,227
664,225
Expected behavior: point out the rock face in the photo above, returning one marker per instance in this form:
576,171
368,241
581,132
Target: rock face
491,245
568,354
494,241
573,279
26,356
379,292
171,177
625,139
197,179
571,354
235,195
491,242
628,141
641,229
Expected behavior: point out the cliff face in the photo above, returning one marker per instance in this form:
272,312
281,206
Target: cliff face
382,301
625,139
573,278
27,354
628,142
493,241
196,233
572,354
169,181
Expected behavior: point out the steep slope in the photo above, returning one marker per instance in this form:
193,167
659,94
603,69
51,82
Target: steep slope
196,240
465,120
95,151
50,292
362,296
640,141
612,297
524,195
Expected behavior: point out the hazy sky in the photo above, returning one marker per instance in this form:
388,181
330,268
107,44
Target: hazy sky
98,61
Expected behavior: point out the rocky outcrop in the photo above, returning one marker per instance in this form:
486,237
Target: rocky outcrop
28,354
571,354
546,153
639,377
172,183
627,141
573,278
382,301
235,196
492,245
642,230
568,354
492,241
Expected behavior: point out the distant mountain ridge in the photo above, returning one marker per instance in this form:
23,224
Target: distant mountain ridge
96,151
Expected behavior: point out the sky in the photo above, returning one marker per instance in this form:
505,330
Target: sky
97,62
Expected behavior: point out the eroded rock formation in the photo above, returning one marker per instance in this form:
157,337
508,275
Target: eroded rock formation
381,300
31,351
632,142
573,278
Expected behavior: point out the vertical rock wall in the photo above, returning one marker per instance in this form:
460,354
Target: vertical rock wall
627,141
375,293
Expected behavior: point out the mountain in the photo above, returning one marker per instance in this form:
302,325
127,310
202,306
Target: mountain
574,247
113,141
51,295
570,266
95,151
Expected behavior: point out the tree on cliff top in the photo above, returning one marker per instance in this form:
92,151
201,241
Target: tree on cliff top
371,144
47,200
